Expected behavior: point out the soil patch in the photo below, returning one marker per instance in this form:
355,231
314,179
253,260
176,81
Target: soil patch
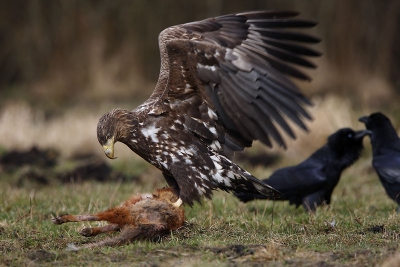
40,167
43,158
41,255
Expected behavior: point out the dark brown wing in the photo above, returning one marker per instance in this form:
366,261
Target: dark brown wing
229,76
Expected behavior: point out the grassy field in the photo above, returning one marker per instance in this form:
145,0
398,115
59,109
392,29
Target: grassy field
360,228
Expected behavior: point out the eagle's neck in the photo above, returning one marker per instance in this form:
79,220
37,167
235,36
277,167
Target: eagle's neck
129,130
126,126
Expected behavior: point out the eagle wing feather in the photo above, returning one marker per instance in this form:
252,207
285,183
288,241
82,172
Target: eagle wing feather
238,65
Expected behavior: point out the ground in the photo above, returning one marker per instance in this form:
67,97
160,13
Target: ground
359,229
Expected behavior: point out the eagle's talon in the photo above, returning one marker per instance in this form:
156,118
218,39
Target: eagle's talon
178,203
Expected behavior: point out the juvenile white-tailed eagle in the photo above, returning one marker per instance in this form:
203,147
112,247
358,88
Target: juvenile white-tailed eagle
223,83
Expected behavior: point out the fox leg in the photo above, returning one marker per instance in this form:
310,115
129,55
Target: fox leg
118,215
93,231
128,234
74,218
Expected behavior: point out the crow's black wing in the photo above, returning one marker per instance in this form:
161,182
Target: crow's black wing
298,180
387,165
293,182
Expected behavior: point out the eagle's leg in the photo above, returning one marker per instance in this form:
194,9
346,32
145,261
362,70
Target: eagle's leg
174,186
178,203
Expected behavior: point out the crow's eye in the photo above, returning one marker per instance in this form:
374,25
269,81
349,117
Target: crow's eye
350,135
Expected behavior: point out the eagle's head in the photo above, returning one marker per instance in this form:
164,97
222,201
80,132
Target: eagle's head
107,131
111,128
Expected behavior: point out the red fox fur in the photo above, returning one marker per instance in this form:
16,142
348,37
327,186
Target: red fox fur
142,217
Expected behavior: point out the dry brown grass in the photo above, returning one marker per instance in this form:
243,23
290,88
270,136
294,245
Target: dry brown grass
74,132
22,127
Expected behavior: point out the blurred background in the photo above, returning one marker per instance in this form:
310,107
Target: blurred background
65,63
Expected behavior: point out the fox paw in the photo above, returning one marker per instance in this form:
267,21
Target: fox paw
57,220
86,232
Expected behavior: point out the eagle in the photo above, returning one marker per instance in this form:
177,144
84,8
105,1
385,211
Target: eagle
223,83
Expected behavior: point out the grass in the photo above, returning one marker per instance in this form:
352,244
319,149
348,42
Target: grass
360,228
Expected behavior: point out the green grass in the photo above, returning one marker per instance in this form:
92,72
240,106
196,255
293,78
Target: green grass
220,232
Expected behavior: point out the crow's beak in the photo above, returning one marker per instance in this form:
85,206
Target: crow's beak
109,148
363,119
361,134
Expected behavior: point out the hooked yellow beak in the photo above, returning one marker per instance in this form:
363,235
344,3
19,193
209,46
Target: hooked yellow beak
109,148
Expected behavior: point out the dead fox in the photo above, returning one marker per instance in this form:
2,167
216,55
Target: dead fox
142,217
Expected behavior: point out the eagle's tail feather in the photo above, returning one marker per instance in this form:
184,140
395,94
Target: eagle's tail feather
246,197
266,190
242,182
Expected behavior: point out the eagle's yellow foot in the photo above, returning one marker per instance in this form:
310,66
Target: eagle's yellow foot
178,203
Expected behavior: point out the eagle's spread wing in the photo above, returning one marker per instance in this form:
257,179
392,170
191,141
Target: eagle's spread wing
228,77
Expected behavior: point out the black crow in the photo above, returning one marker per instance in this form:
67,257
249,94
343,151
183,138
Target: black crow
385,153
311,183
